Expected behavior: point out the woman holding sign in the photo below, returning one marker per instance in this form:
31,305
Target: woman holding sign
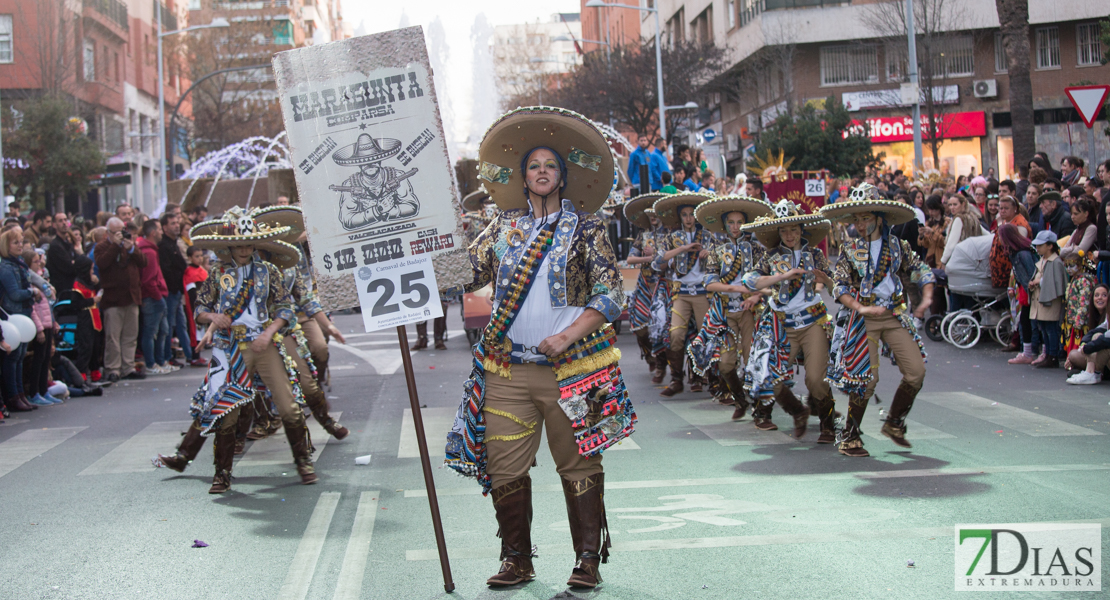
548,353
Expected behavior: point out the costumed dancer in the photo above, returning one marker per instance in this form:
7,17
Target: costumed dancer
648,284
726,334
873,311
250,310
687,247
794,322
548,354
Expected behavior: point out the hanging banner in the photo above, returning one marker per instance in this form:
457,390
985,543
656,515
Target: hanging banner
369,156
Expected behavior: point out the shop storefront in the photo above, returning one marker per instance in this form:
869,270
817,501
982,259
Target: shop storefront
959,152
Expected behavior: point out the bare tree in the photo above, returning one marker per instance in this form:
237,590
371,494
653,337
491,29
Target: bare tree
52,50
943,51
1013,18
520,81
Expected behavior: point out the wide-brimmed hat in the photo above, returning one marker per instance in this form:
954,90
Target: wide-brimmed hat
766,228
366,150
474,200
239,228
282,216
667,207
591,167
865,198
711,213
635,209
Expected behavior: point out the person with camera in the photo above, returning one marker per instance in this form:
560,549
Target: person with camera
120,265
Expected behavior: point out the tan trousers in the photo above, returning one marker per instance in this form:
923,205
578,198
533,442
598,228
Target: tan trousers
742,326
532,396
309,387
121,336
317,343
814,344
686,306
271,369
906,353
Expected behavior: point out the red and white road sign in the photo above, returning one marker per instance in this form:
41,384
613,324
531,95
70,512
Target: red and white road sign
1087,99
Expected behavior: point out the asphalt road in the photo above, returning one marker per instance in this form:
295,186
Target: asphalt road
699,507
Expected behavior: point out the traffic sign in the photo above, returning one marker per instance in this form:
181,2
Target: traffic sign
709,135
1087,99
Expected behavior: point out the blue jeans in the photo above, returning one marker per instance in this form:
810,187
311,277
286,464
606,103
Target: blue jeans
11,370
1047,333
152,338
178,327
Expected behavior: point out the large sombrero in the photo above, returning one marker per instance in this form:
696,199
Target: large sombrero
635,209
282,216
667,207
239,228
766,228
474,200
865,198
711,213
366,150
591,166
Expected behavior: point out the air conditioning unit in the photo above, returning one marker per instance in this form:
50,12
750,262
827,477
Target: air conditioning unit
985,88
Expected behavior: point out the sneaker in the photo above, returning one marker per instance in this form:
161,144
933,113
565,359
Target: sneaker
198,362
170,367
1021,359
38,400
173,363
135,375
52,399
114,377
1040,359
1085,378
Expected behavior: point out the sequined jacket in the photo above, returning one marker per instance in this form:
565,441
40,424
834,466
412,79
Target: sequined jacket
581,265
300,283
854,265
683,262
779,260
657,239
722,258
270,296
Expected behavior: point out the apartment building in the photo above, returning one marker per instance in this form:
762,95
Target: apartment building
530,57
615,26
785,53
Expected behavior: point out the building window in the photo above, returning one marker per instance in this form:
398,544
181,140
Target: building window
897,63
1088,47
847,65
701,29
5,38
1048,48
731,14
956,57
1001,65
89,60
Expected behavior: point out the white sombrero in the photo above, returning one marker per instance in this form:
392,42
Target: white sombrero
865,198
239,228
711,214
668,207
635,210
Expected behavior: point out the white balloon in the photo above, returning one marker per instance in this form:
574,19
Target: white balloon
26,327
11,334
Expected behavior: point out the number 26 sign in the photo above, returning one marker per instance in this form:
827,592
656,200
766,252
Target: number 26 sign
398,293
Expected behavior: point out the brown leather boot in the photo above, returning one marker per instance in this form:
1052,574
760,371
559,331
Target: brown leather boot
586,511
794,407
696,382
513,505
644,342
19,403
223,448
717,387
319,405
301,445
421,336
761,416
895,426
439,330
823,408
660,368
675,360
739,395
321,364
187,450
851,444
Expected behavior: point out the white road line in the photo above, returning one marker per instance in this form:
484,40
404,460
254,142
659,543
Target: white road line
454,333
385,362
133,455
29,444
349,584
274,449
299,574
712,419
1009,417
475,490
342,367
437,424
873,423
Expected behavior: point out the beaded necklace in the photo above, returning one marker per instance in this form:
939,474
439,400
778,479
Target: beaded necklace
245,289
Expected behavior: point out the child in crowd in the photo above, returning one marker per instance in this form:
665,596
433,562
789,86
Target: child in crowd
195,274
1046,295
42,347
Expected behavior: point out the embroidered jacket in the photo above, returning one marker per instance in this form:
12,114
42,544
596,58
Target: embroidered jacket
657,239
780,260
722,259
853,268
270,296
581,265
302,285
683,262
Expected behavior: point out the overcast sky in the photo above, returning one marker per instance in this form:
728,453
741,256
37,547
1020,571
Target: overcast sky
457,18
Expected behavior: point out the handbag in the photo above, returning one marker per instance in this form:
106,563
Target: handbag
1022,296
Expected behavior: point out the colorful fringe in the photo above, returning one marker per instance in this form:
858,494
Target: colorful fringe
639,307
705,348
770,359
466,443
236,390
659,331
850,362
607,424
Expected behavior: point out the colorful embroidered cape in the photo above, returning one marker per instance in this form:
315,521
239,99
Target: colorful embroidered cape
725,264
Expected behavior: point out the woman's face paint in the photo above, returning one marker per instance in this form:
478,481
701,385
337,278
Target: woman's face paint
542,175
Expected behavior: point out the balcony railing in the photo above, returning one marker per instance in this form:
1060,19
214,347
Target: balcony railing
752,8
169,20
252,4
114,10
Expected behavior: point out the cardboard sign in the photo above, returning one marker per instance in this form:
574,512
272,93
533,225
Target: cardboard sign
369,155
398,293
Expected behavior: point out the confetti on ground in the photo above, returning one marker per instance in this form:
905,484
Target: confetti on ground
199,544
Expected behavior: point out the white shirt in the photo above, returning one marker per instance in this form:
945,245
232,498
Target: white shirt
537,319
798,302
249,318
696,274
885,289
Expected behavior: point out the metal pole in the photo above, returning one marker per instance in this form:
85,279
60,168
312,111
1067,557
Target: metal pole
425,461
1092,165
3,196
911,58
161,107
659,79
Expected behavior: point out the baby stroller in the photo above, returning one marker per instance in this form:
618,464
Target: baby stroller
969,275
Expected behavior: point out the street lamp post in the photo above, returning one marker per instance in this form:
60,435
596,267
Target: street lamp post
658,58
217,22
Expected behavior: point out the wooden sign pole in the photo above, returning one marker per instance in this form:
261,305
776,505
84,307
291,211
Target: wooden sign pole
425,460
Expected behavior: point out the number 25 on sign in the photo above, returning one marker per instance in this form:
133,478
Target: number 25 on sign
398,293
